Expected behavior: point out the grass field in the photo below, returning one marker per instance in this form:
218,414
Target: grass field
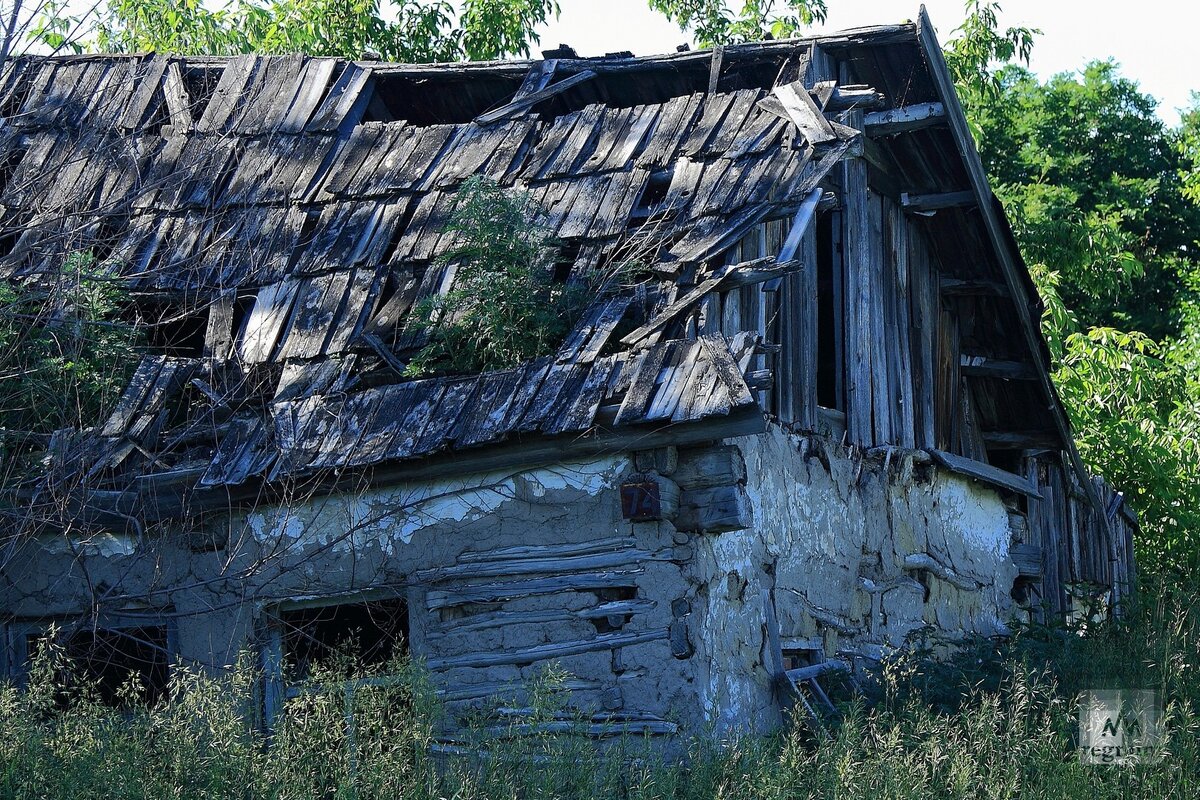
994,720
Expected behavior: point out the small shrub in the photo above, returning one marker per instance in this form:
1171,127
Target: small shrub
504,306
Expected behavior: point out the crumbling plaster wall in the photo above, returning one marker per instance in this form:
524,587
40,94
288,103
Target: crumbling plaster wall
414,540
854,553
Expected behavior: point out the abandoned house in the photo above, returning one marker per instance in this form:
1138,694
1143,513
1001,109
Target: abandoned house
820,421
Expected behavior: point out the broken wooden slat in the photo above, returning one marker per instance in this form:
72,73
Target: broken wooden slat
728,372
272,307
673,386
803,112
139,107
179,105
228,93
347,94
144,378
641,388
311,85
581,411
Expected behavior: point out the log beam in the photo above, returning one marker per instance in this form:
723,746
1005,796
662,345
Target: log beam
933,202
904,119
958,287
1021,440
984,367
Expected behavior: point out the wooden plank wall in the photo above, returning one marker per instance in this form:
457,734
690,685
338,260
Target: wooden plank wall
898,348
1084,549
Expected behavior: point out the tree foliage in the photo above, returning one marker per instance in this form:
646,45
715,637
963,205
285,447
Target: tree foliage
401,30
714,22
1096,185
1103,199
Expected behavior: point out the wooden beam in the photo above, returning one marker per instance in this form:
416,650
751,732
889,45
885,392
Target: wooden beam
716,510
932,202
1022,440
522,104
845,98
984,367
859,303
960,287
904,119
985,473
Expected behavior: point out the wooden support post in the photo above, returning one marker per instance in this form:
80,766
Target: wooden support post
882,323
859,305
925,318
903,389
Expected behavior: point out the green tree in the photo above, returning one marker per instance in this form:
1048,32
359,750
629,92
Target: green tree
1102,196
401,30
1097,186
714,22
1189,148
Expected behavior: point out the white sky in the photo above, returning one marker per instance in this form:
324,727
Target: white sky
1154,41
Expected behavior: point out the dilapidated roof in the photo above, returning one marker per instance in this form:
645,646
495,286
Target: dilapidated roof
283,216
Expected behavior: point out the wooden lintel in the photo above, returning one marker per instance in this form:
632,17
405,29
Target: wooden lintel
1022,440
904,119
984,367
957,287
934,202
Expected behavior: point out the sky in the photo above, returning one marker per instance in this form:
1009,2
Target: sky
1154,41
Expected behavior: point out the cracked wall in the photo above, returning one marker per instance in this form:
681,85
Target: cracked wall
504,572
855,554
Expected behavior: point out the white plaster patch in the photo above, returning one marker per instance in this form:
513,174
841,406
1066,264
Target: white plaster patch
387,517
99,544
976,514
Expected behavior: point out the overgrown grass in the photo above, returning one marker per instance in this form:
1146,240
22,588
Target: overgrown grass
995,720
